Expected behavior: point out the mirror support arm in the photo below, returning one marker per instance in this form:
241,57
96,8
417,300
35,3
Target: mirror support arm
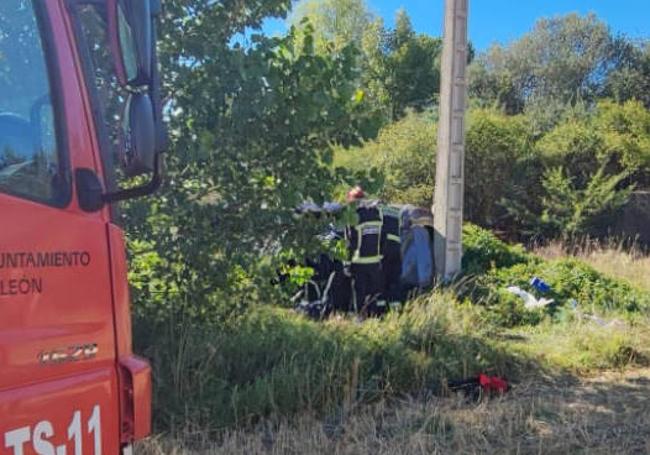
139,191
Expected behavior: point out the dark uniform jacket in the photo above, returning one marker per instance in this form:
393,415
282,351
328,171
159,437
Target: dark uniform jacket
366,238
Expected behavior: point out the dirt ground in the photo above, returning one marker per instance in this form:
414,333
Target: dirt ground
607,414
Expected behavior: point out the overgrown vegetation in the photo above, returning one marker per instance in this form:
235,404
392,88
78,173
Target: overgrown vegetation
497,266
271,361
613,258
403,157
261,124
568,182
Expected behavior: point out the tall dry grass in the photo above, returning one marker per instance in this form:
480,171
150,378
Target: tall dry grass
611,258
603,415
273,361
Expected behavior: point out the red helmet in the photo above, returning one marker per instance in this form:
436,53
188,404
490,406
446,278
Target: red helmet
355,194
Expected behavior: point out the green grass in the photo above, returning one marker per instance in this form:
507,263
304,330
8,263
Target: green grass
273,362
582,346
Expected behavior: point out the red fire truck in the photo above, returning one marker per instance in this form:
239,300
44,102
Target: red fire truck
80,130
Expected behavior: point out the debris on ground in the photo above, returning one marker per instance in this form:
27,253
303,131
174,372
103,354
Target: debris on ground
481,385
530,301
540,285
610,324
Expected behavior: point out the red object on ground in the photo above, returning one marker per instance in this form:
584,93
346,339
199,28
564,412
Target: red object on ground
493,384
489,385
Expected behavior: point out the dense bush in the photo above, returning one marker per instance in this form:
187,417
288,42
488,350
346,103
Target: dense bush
568,181
574,145
572,210
404,153
626,130
613,135
483,251
580,173
498,266
495,143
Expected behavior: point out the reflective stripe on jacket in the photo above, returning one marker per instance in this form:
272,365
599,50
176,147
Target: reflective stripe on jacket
365,239
392,223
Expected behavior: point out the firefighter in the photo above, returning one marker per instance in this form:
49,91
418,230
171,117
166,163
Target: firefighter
364,242
392,254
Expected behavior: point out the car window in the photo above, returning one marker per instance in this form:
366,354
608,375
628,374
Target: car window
29,156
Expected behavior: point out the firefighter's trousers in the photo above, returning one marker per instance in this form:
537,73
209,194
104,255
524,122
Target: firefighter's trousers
368,287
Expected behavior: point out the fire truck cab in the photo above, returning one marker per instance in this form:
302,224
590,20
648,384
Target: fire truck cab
80,129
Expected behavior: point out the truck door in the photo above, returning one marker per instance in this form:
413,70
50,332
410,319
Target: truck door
58,378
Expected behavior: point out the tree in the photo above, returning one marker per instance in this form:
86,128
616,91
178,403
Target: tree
400,67
336,23
631,79
252,129
563,59
403,32
374,71
413,65
570,210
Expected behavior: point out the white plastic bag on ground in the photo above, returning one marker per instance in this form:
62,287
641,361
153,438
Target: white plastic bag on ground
530,301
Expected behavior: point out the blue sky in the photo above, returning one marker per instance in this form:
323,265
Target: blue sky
505,20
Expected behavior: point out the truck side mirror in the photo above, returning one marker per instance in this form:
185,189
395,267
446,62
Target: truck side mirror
132,34
139,140
131,37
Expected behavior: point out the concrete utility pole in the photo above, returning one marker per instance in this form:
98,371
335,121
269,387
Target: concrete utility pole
450,163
